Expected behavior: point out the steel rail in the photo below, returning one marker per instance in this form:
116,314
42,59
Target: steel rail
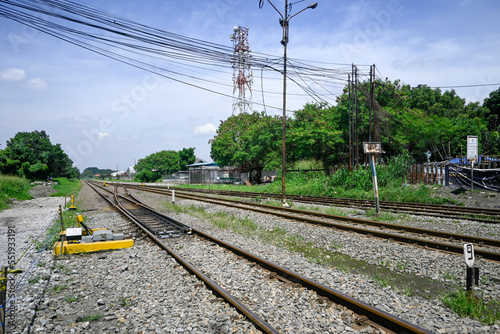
261,324
378,317
384,235
488,215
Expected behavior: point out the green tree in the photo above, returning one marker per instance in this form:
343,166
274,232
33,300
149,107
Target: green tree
316,133
166,162
493,104
251,141
32,155
186,157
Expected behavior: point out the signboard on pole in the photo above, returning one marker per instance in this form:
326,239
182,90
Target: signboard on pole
469,254
371,148
472,144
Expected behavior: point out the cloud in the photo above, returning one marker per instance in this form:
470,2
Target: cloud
37,84
206,129
13,74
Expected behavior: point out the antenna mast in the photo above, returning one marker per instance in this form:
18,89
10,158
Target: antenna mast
242,74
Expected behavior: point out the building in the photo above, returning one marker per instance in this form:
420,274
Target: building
210,173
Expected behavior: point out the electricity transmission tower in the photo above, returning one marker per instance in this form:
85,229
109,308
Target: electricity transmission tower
242,73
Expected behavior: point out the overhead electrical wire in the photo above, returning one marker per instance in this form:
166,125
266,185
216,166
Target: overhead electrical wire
140,46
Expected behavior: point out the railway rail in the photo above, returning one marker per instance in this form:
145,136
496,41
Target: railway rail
377,318
484,215
443,241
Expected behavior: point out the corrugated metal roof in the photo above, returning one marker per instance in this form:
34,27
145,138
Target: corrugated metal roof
203,164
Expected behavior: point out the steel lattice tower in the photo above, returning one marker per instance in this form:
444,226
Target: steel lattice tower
242,75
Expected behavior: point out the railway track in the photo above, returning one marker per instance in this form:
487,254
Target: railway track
366,314
443,241
443,211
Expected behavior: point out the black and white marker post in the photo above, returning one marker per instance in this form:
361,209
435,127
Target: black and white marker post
472,272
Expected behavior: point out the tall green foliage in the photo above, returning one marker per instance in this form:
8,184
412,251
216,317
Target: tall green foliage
32,155
154,166
248,140
421,121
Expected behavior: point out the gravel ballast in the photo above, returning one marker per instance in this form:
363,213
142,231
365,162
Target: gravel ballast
142,289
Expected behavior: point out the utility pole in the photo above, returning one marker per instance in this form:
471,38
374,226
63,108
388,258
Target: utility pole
356,125
284,22
350,119
371,108
375,113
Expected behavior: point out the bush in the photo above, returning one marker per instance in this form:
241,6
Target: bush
13,187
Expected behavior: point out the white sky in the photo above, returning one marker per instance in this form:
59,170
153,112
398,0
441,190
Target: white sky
107,114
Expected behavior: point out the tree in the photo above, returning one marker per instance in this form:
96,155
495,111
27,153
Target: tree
250,141
186,157
493,104
316,133
32,155
166,162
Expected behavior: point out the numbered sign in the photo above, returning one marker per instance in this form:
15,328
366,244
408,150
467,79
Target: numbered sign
469,254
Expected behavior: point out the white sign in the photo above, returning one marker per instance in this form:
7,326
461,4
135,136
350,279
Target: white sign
73,231
469,254
472,144
372,148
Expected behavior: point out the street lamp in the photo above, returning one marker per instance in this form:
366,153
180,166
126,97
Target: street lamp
284,24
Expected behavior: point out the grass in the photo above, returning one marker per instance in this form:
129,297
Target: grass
70,299
465,305
323,255
13,187
343,183
125,302
91,317
57,288
66,187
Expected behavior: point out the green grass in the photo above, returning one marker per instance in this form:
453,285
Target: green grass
465,305
125,302
91,317
324,255
66,187
13,187
70,299
357,184
57,288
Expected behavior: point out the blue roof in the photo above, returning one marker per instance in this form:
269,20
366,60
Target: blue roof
203,164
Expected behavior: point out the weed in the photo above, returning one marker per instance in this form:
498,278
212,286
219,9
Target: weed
41,264
13,187
385,263
34,280
91,317
407,291
382,281
467,306
125,302
452,277
57,288
70,299
336,245
66,187
402,265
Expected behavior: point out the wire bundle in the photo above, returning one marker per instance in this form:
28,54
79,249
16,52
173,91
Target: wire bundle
186,60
